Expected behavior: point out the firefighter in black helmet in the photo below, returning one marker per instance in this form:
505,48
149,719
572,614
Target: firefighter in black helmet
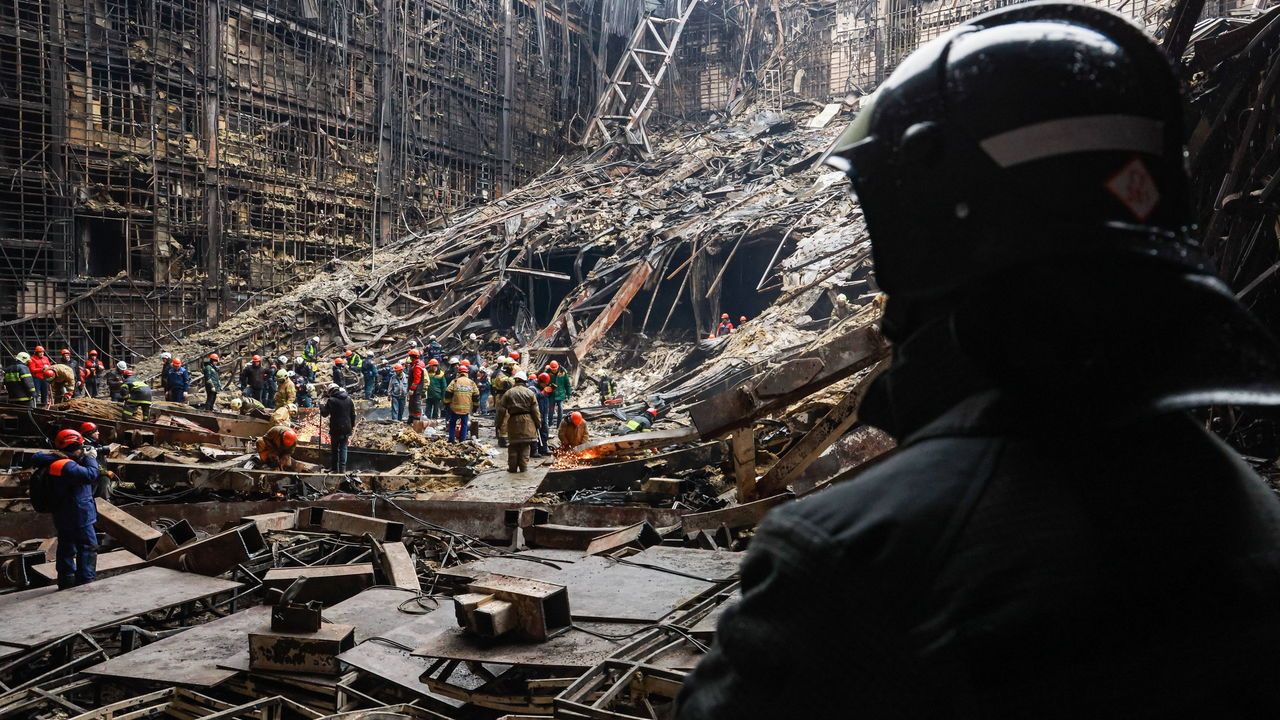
1056,536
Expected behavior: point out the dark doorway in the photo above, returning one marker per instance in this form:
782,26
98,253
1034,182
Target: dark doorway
105,247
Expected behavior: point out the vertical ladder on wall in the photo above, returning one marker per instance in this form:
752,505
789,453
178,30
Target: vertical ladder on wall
623,106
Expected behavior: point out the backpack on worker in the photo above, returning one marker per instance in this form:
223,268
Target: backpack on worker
42,489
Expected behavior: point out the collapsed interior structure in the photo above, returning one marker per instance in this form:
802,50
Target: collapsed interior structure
597,181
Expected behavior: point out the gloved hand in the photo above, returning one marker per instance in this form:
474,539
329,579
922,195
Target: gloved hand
91,451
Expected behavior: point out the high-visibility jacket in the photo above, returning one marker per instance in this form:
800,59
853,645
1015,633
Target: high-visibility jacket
356,362
460,395
639,423
19,383
138,395
311,352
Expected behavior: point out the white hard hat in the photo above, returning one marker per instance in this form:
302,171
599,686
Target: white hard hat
433,337
334,387
842,297
414,343
283,359
454,360
236,403
122,365
521,376
281,374
311,388
473,336
297,360
315,339
293,408
165,356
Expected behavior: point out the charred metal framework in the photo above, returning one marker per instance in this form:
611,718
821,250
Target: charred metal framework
164,163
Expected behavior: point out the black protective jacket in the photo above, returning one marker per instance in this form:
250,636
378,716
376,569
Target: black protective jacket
1046,552
341,412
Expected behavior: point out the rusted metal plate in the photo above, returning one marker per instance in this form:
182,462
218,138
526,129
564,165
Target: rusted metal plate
605,589
315,652
395,664
352,523
111,563
573,650
501,486
191,657
612,310
563,537
620,475
38,620
133,534
215,554
330,585
398,566
840,358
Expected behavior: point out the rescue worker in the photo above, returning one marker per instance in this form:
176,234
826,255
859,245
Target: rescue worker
840,308
504,347
453,368
137,397
384,377
212,380
305,370
339,376
460,396
166,359
76,370
742,320
355,361
573,431
92,438
502,381
311,351
370,373
39,361
93,372
542,386
520,409
62,381
341,411
1056,535
417,385
639,423
250,406
275,448
268,396
18,382
253,378
563,389
437,383
471,349
115,381
179,381
483,390
306,394
606,388
434,350
397,390
73,471
286,391
724,328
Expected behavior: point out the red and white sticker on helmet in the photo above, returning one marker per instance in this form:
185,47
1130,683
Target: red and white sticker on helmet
1134,187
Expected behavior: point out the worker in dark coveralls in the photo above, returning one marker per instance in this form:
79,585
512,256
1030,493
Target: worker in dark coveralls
1056,536
73,470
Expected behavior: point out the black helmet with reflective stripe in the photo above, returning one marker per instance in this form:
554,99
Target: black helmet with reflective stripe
1037,131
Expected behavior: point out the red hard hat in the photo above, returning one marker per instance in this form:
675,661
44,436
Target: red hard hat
48,372
214,357
724,316
397,367
553,365
544,378
464,369
65,438
257,358
514,355
88,428
39,348
289,438
414,352
93,352
177,362
433,363
338,361
65,351
127,372
575,417
653,412
502,341
742,318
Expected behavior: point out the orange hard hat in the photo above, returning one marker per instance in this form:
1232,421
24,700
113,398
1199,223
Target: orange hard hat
502,341
397,367
413,352
257,358
553,365
338,361
575,417
652,411
464,369
39,348
433,363
348,353
724,316
214,357
65,351
93,352
88,428
66,438
514,355
289,438
177,362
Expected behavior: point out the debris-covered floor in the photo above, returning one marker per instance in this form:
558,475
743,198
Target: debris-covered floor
429,581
